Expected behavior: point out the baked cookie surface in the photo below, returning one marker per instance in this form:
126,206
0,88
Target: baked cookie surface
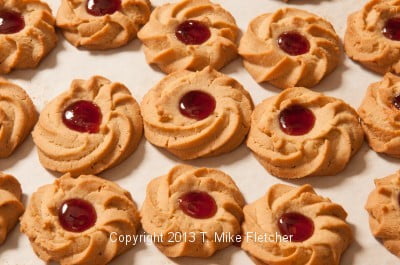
17,116
93,126
11,207
316,227
190,34
197,114
380,115
369,39
27,34
290,47
198,203
301,133
71,221
101,25
383,206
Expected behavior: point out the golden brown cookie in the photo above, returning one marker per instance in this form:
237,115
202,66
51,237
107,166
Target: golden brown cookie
190,34
11,207
197,114
93,126
294,225
301,133
189,208
383,206
102,24
27,34
17,116
290,47
370,38
380,114
75,220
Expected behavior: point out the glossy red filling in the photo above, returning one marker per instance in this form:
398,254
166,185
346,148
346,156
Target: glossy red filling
102,7
293,43
192,32
197,105
391,29
297,226
82,116
76,215
11,22
198,204
296,120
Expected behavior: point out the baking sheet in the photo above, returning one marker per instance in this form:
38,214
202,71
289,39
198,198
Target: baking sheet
127,65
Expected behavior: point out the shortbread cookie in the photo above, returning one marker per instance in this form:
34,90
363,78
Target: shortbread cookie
290,47
383,206
380,114
11,207
190,34
27,33
93,126
17,116
189,208
301,133
102,24
197,114
372,36
78,220
301,228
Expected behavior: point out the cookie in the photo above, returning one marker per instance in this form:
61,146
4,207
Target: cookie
93,126
190,34
189,209
290,47
197,114
301,133
383,207
371,38
380,115
76,220
11,207
294,225
100,24
17,116
27,34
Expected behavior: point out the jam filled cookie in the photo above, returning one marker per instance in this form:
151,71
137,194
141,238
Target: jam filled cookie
380,114
290,47
190,34
373,36
197,114
93,126
11,207
195,204
102,24
302,228
383,206
301,133
17,116
74,220
27,34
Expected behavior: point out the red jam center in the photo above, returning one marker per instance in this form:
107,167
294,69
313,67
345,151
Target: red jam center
396,101
391,30
11,22
296,120
293,43
197,105
76,215
296,225
192,32
102,7
82,116
198,204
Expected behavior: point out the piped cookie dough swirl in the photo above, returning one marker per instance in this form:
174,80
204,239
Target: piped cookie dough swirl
93,126
93,25
71,220
197,114
31,36
190,34
17,116
290,47
316,227
380,114
198,203
301,133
